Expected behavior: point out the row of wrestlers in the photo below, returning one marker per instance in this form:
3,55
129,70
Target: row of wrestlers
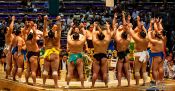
76,41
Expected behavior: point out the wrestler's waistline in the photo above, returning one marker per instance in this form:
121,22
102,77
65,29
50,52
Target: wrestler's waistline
156,54
15,49
138,53
48,52
74,56
125,51
33,52
76,53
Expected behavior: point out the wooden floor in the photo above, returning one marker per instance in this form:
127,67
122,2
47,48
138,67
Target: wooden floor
9,85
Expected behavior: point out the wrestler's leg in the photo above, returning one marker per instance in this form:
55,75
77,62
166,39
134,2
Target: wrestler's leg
137,66
160,69
126,67
54,67
15,67
119,70
155,69
144,65
46,70
70,72
27,73
80,71
104,70
8,64
20,64
34,67
95,69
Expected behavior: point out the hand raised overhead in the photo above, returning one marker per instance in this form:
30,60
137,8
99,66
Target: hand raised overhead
152,20
46,17
13,18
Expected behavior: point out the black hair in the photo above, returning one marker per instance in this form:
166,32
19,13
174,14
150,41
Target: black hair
51,34
76,36
143,34
157,35
101,36
17,32
124,35
30,36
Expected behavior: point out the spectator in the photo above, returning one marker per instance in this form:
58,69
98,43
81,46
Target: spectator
135,13
63,60
166,66
171,67
152,87
69,20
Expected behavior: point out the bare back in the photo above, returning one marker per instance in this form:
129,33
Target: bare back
52,43
9,39
76,46
141,44
89,35
122,44
157,47
32,45
100,46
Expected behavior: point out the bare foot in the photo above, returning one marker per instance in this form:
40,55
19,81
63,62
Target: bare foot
6,77
143,84
82,87
137,85
106,86
118,85
66,86
128,85
59,86
34,84
92,86
56,86
27,83
14,79
43,85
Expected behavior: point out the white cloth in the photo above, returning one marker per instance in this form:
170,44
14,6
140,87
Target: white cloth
143,55
63,65
7,47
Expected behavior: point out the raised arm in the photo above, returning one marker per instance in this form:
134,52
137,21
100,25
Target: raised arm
59,28
11,26
160,25
151,24
115,30
108,28
151,39
132,33
144,29
156,24
138,22
129,19
99,29
69,34
123,18
84,33
114,21
45,26
94,31
34,33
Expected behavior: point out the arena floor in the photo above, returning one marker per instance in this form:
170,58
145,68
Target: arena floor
9,85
